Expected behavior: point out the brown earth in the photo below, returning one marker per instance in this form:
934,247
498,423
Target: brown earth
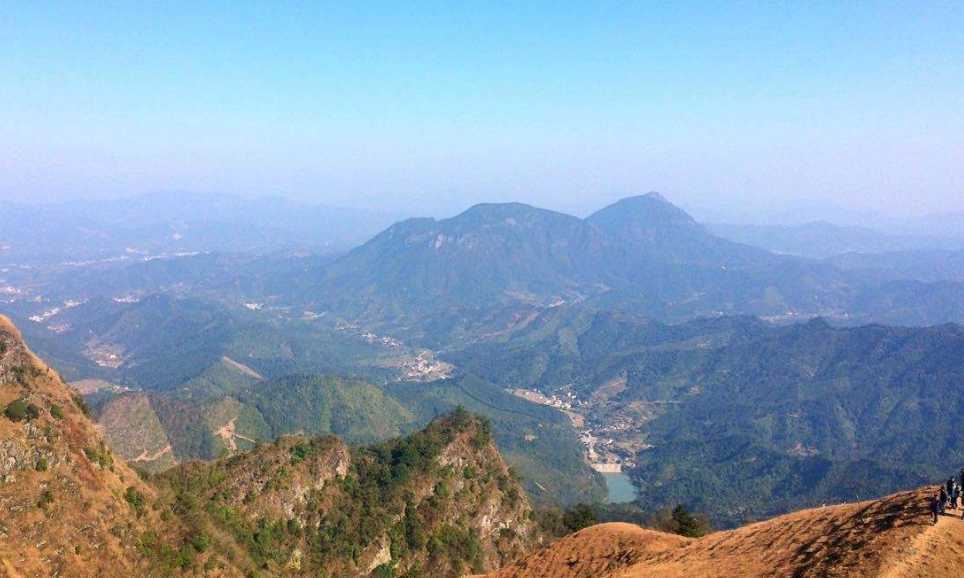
888,538
62,510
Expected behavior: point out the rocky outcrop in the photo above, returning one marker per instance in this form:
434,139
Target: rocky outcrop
437,503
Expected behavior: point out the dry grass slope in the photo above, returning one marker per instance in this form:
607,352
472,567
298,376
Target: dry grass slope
62,511
888,538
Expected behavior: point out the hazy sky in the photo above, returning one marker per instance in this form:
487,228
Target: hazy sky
423,107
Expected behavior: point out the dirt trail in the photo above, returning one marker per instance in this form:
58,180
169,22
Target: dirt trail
923,556
144,457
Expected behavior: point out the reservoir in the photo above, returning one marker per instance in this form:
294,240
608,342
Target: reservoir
621,490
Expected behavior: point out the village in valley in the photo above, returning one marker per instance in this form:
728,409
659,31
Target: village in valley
601,442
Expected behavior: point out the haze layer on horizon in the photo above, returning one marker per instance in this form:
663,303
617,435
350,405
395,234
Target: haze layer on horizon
429,108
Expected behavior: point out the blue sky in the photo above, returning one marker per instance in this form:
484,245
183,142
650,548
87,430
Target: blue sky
425,107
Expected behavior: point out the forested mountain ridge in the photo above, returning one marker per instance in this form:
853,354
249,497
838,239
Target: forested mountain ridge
743,419
438,502
163,396
424,276
156,431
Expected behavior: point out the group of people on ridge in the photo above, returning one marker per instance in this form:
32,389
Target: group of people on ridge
948,496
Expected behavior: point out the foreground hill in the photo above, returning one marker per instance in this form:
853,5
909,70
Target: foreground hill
438,502
62,510
888,538
157,431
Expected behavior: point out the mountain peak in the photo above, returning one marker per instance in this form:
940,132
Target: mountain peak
13,351
497,212
651,207
648,219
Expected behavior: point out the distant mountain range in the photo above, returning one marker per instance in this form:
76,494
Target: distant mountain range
642,253
821,240
791,214
176,222
434,282
931,266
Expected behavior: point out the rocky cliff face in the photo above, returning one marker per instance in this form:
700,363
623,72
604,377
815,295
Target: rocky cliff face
439,502
436,503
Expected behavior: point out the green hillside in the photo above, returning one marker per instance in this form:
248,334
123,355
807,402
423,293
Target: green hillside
538,441
352,409
743,419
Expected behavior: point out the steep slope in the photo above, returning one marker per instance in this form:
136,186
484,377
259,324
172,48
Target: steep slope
888,538
538,441
62,496
436,503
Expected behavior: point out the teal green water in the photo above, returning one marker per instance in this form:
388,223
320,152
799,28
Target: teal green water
621,490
